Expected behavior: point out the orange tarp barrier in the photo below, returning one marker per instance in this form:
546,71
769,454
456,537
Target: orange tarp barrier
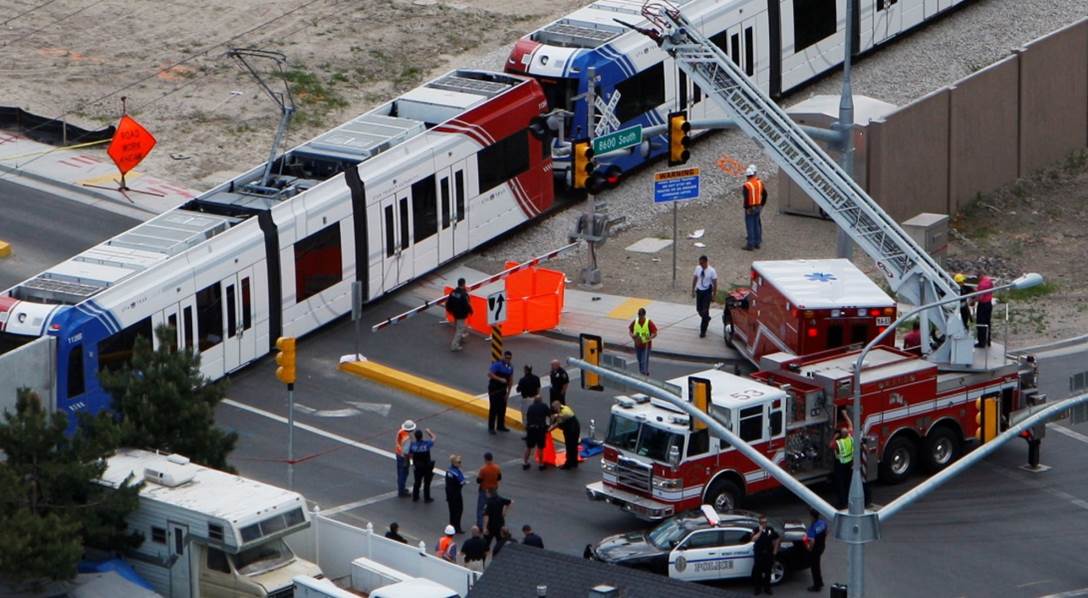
534,299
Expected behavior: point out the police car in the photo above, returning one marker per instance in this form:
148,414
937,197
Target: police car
704,545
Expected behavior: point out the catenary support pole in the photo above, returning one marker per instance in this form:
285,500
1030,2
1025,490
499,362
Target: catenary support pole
844,246
290,436
674,242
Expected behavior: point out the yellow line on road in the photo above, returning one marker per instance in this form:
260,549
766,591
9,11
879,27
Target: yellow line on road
628,309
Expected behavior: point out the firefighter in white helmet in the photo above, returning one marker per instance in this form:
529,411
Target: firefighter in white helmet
754,196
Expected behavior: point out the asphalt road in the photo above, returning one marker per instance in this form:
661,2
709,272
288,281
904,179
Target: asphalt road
997,530
45,229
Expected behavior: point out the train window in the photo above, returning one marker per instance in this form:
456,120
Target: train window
317,262
641,93
503,160
404,240
209,316
749,51
813,20
247,308
459,193
719,39
390,239
734,48
188,320
445,202
232,313
559,92
172,323
424,209
116,351
75,371
682,78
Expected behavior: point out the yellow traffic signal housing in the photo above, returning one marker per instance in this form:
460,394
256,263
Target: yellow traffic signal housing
589,350
699,396
581,163
285,359
678,138
986,418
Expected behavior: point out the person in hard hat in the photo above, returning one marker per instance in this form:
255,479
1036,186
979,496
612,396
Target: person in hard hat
965,308
447,548
755,197
642,331
404,440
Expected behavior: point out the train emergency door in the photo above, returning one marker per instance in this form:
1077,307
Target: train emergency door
887,20
239,341
740,45
396,241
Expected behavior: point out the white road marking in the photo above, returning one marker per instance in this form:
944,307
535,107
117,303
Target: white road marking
1069,594
379,408
1070,433
1034,583
326,412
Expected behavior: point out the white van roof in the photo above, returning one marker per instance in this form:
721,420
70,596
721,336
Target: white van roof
822,284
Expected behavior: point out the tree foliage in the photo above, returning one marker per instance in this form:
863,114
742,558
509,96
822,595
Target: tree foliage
51,506
166,404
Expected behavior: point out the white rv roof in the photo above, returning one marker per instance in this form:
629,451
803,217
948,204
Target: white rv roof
822,284
211,492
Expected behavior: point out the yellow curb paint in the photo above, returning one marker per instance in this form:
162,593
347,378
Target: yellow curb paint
628,309
5,249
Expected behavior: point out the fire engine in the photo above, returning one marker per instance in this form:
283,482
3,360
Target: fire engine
804,307
656,463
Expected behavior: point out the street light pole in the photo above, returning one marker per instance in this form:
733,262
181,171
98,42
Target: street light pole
844,246
856,500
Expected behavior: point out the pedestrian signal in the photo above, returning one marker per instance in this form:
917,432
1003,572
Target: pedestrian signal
678,138
581,165
699,396
285,359
986,419
589,350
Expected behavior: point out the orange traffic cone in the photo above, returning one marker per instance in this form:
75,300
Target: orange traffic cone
551,456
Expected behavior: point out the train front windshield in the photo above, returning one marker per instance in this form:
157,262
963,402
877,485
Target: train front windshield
10,342
560,92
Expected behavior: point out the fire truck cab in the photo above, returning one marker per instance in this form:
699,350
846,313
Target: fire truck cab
802,307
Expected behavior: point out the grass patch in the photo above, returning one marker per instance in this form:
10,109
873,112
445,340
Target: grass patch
315,97
1042,290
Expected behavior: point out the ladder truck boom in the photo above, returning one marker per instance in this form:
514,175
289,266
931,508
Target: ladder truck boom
914,275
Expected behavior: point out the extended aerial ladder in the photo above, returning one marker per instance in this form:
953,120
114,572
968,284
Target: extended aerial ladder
914,276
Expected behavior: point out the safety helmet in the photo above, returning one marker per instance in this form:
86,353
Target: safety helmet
751,170
450,530
408,425
959,278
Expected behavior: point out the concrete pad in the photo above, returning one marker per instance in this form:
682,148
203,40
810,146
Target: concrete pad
628,309
649,245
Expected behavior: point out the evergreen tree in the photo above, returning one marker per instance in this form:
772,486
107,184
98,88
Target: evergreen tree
166,404
50,503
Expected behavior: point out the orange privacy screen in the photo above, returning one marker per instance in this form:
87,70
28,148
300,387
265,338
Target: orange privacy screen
534,301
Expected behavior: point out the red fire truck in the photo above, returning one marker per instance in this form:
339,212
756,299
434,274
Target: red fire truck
656,465
803,307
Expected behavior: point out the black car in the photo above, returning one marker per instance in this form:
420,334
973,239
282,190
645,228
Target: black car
703,546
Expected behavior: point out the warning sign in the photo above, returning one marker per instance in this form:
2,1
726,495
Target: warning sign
130,145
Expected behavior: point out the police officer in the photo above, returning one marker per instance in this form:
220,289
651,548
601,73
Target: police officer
766,547
816,534
422,464
500,379
559,381
455,481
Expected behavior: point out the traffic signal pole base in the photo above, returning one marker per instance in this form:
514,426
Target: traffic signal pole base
591,277
1035,469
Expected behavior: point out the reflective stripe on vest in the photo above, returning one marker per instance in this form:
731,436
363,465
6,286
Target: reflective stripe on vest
844,449
755,192
642,330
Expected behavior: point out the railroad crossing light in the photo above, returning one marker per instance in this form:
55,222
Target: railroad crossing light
589,350
581,163
986,419
678,138
604,179
699,396
285,359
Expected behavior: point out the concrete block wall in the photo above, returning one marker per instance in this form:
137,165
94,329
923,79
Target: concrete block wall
31,366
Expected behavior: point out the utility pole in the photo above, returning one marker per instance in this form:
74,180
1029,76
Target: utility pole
844,246
591,275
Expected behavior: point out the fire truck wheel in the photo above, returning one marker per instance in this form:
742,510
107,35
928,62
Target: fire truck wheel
723,496
942,447
899,459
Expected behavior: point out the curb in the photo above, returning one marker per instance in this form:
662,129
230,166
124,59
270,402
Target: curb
71,187
433,391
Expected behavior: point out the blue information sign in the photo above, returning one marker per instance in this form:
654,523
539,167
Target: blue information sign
676,185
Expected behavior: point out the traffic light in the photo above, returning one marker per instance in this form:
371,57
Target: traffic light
285,359
986,419
604,179
678,138
589,350
699,396
581,163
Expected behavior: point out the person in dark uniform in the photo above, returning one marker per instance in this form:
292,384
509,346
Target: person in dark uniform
566,421
528,387
531,538
455,481
536,430
766,547
475,550
394,533
817,539
500,379
495,511
422,464
559,381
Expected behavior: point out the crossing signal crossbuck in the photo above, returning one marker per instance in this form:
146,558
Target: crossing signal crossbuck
679,127
285,359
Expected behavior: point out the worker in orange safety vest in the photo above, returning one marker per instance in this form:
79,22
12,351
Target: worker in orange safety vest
755,197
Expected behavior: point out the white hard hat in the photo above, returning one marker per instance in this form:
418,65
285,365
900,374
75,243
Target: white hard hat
449,531
408,425
751,170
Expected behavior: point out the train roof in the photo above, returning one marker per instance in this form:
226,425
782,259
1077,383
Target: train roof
594,25
822,284
217,210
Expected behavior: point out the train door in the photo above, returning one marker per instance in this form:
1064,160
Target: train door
452,227
239,346
459,171
396,226
187,323
171,318
888,20
741,45
689,96
425,224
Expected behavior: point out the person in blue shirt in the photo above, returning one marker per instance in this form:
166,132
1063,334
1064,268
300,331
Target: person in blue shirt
817,539
455,481
500,379
422,464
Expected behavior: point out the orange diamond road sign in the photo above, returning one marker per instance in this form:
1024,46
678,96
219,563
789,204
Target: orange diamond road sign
130,145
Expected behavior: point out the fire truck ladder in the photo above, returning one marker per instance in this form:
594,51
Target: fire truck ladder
914,276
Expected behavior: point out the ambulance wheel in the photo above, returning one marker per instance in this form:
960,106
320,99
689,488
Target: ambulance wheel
729,335
723,496
942,447
900,457
778,572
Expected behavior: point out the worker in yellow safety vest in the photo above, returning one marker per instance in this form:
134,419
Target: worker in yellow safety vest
843,443
642,331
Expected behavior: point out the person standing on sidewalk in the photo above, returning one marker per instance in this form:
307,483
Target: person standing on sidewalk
488,478
984,310
422,464
500,380
817,539
529,389
755,197
643,331
559,380
455,481
404,439
536,430
566,421
459,307
704,287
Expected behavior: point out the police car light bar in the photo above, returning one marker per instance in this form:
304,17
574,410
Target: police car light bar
711,515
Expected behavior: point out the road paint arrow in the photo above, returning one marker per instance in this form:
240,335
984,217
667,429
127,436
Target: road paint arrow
326,412
379,408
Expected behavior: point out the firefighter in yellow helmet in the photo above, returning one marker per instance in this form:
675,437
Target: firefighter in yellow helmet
965,309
